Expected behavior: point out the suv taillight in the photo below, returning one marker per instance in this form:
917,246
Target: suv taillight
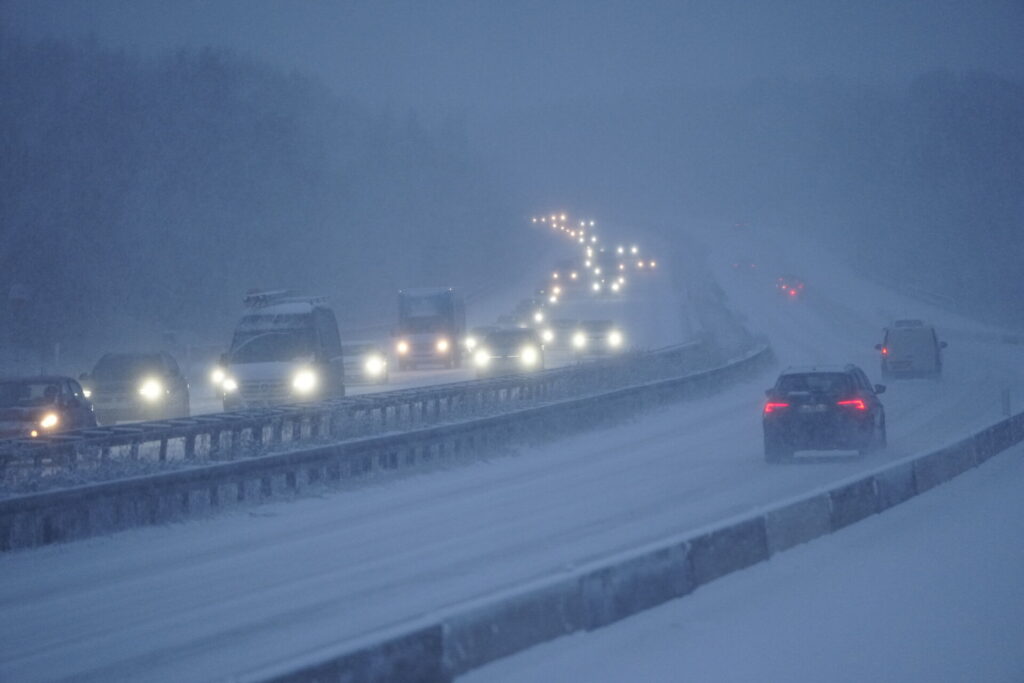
855,403
774,406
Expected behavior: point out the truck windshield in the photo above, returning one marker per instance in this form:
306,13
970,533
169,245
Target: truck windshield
271,347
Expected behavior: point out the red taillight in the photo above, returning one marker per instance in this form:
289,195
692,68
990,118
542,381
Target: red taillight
773,406
885,351
855,403
792,292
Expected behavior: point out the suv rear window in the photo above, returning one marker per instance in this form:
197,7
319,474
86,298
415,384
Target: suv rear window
815,382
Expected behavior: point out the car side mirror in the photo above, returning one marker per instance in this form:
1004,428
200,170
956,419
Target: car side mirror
879,388
943,345
878,347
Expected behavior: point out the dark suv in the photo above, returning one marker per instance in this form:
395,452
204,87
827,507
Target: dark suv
822,408
137,386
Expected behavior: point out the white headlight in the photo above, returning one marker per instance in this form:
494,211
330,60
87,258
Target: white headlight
528,355
538,317
442,345
548,335
579,340
596,286
470,343
615,286
87,392
151,389
229,384
481,357
375,365
218,375
304,381
402,347
49,421
614,338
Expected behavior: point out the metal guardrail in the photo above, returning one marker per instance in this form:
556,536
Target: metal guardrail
105,453
32,519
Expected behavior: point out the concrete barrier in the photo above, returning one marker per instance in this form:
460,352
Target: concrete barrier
941,466
728,549
483,633
798,522
619,590
412,657
853,502
895,485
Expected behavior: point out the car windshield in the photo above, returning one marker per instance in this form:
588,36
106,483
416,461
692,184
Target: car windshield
503,341
597,326
273,347
28,394
126,367
815,382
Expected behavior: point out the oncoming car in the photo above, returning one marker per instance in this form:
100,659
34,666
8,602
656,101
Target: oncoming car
597,337
137,386
509,351
822,408
35,406
365,363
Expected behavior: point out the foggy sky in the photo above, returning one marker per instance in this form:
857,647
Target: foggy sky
465,56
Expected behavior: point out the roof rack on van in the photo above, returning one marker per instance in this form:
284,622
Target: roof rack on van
908,323
259,299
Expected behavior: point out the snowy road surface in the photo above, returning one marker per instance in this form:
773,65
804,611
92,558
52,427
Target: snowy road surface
928,591
206,599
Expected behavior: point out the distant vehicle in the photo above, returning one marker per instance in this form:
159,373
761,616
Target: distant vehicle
365,363
431,326
286,348
822,408
509,351
137,386
597,337
567,275
790,286
558,333
530,312
910,348
35,406
476,335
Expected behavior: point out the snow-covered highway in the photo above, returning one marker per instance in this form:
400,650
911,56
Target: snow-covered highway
208,599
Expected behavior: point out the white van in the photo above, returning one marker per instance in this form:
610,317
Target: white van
910,348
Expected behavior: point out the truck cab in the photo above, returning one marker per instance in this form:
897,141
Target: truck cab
285,349
431,327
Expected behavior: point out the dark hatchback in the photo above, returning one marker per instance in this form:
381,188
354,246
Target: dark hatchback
823,408
36,406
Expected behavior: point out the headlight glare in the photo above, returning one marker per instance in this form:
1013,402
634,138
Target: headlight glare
49,421
304,381
218,376
229,385
482,358
402,347
548,335
615,338
528,355
442,345
579,340
151,389
375,365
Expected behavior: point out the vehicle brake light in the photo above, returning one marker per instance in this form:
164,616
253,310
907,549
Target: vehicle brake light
792,292
885,351
855,403
774,406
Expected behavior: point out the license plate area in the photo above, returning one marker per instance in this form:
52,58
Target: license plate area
813,408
